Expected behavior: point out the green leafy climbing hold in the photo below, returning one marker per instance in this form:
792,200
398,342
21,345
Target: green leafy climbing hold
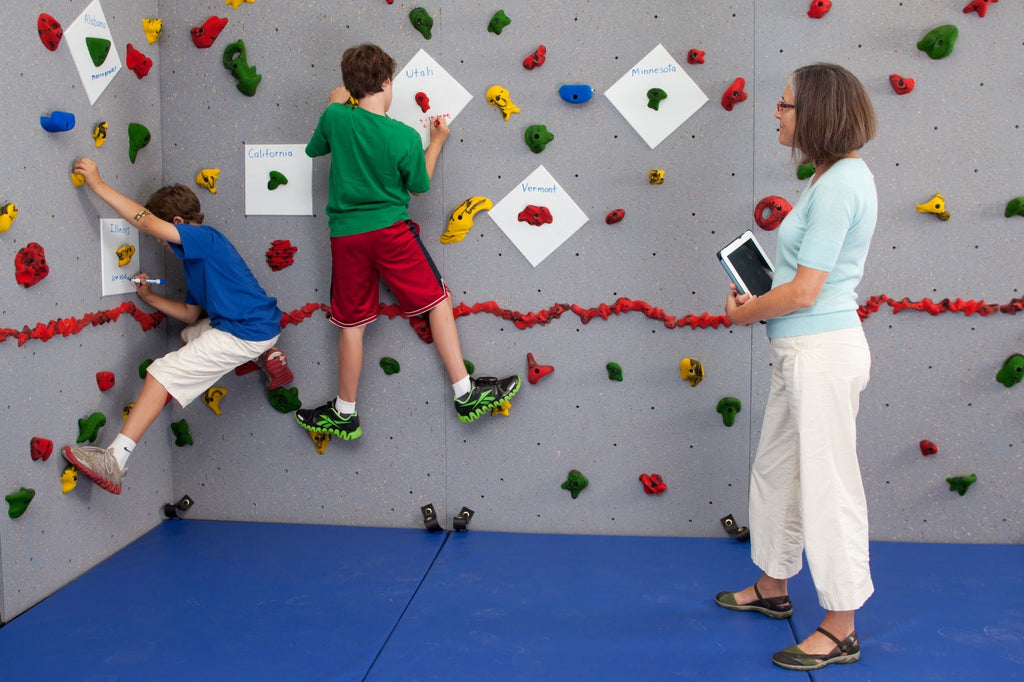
143,367
18,502
939,41
138,137
89,428
1012,371
575,483
470,367
960,484
498,22
421,21
182,437
277,179
284,400
390,366
614,371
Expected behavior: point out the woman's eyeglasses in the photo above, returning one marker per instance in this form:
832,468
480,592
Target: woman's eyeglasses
781,106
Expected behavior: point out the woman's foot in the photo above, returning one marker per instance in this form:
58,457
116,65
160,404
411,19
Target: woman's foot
772,601
820,649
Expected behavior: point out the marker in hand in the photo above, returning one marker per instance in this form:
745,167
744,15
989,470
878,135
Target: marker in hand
148,280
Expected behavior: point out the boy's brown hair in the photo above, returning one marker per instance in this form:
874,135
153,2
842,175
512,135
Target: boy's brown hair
364,69
175,200
834,115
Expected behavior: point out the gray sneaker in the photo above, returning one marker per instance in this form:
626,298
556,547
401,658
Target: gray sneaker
98,464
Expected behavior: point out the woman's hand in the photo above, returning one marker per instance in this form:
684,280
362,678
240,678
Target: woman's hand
733,302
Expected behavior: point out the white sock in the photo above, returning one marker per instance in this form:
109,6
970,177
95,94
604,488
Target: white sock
122,447
344,407
462,387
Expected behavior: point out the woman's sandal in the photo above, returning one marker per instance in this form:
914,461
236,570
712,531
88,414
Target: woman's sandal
773,607
846,651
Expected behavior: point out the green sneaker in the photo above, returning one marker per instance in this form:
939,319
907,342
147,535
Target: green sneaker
326,419
485,394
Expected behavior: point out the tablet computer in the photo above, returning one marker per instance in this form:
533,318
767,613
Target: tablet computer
747,265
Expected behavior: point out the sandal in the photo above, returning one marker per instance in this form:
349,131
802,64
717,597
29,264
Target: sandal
846,651
773,607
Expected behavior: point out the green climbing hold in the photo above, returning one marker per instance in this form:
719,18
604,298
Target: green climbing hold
537,138
614,371
143,367
390,366
18,502
960,484
421,21
938,42
99,48
277,179
89,428
138,137
575,483
470,367
1012,371
805,171
498,22
729,407
234,60
284,400
1015,207
182,437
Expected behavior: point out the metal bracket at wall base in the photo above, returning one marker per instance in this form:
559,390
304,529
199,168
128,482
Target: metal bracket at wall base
461,522
741,533
183,505
430,518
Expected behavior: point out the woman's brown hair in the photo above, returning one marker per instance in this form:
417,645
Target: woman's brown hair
364,69
834,115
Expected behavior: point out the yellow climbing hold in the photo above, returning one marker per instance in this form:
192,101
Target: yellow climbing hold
461,221
124,255
152,27
7,215
208,178
99,133
936,205
68,479
320,440
77,179
212,398
235,4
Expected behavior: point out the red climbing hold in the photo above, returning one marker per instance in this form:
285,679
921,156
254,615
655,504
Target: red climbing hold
900,84
41,448
138,62
695,56
734,94
771,211
281,254
203,36
979,6
928,448
30,265
50,31
535,215
819,8
535,59
423,101
653,484
105,380
536,372
615,216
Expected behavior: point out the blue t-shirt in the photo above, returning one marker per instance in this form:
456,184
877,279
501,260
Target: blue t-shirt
829,229
221,283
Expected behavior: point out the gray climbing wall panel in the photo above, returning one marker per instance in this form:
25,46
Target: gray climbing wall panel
958,133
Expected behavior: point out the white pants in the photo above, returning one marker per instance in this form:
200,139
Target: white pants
208,354
806,492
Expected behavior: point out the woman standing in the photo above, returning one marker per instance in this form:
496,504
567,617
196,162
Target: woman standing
806,493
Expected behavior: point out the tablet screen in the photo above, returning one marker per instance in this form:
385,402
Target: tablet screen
747,265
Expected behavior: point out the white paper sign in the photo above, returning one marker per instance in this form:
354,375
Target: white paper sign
92,24
657,70
424,75
295,197
118,239
537,242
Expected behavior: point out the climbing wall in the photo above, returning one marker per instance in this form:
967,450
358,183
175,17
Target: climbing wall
941,297
59,332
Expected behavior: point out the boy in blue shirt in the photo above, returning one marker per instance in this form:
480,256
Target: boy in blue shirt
242,322
376,163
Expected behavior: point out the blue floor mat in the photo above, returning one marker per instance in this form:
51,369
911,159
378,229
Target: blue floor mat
203,600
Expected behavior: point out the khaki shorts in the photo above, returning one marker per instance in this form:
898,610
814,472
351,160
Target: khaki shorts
208,354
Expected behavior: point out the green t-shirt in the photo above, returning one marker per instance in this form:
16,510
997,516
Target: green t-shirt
375,163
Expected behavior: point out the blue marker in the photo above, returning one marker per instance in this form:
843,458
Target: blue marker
148,280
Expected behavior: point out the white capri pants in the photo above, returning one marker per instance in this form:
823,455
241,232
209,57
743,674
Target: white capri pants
208,354
806,492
